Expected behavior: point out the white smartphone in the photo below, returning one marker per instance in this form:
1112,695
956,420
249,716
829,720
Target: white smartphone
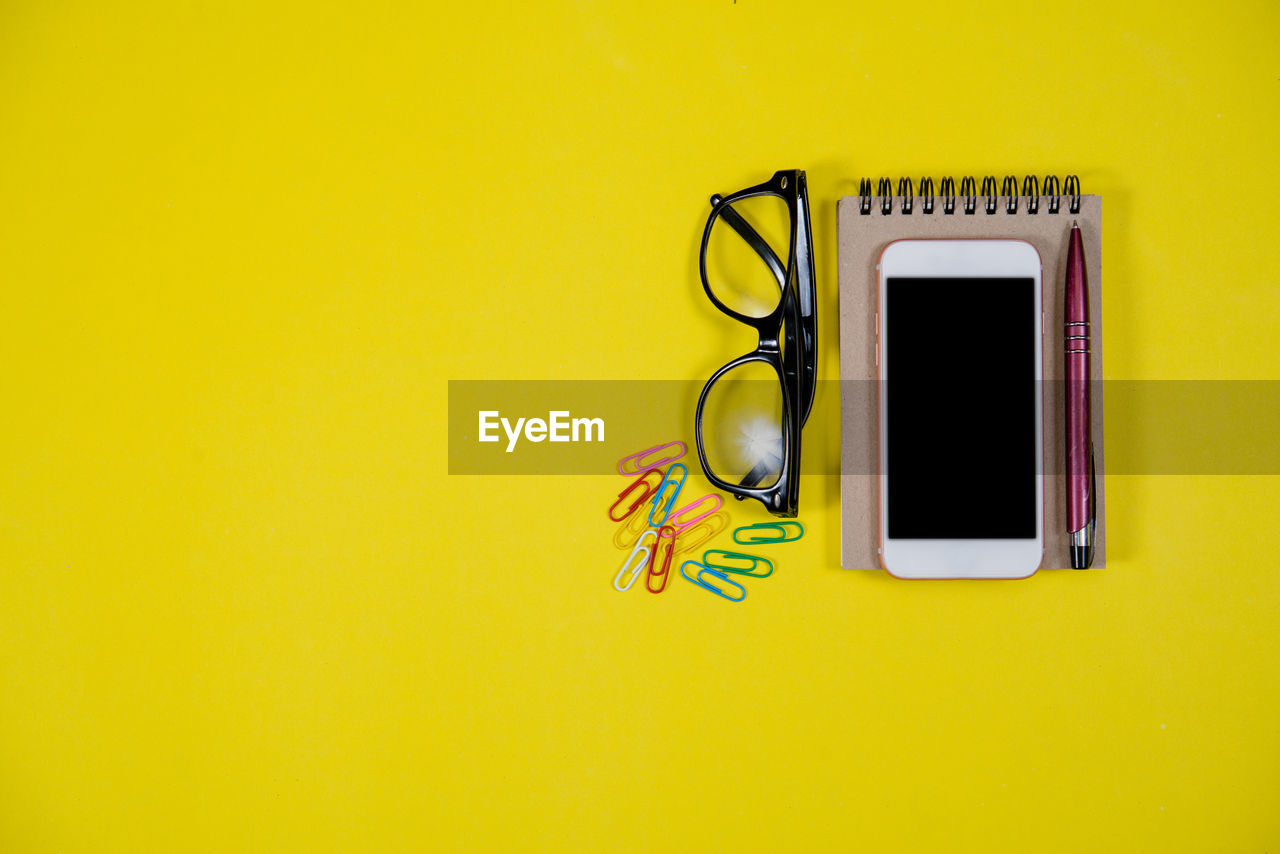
959,345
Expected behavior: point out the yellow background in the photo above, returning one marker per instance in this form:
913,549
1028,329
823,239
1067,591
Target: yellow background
244,607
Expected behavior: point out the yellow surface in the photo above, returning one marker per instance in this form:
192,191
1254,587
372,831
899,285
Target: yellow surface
243,606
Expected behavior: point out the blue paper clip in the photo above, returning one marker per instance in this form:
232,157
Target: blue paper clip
715,573
662,487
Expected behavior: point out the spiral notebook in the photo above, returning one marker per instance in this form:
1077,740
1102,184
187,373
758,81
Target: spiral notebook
1040,214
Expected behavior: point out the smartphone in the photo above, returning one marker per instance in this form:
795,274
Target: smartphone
959,349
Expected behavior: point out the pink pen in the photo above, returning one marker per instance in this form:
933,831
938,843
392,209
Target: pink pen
1080,499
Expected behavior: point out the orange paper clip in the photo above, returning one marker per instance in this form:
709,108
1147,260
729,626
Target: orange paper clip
679,523
696,535
641,481
641,465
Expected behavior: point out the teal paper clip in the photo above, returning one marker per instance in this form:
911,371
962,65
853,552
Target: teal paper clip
662,487
780,527
723,565
714,573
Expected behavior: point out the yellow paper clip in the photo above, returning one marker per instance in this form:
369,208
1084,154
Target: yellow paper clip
629,531
698,534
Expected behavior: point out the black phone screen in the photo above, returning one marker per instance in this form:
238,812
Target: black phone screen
960,406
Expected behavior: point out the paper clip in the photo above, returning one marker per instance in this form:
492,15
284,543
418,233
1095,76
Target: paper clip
666,562
780,527
641,466
630,530
714,573
657,499
738,570
642,480
627,564
674,518
696,535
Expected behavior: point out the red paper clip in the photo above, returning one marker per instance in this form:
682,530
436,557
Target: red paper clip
642,480
666,562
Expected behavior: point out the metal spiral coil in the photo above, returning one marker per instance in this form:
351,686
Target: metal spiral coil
885,191
1031,189
1071,186
926,195
969,189
1053,190
904,193
1009,189
947,190
989,190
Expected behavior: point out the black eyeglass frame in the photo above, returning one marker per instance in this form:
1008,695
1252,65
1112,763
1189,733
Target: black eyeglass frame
788,335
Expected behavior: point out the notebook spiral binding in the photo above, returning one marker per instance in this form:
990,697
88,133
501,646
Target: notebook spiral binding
969,193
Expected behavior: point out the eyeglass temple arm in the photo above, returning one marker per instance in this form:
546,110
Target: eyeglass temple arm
753,239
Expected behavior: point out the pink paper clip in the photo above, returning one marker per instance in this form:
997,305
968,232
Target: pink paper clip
642,480
676,521
642,466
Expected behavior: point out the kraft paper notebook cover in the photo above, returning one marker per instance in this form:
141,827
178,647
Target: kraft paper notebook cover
868,223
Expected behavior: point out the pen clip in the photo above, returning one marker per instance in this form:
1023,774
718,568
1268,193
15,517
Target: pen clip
1093,489
1092,522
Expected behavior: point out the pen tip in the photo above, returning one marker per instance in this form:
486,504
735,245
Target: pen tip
1075,224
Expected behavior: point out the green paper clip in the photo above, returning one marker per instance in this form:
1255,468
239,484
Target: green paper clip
780,527
723,555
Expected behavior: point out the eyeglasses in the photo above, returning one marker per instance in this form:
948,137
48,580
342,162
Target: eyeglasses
751,412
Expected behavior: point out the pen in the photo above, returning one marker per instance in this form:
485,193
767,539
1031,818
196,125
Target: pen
1080,497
